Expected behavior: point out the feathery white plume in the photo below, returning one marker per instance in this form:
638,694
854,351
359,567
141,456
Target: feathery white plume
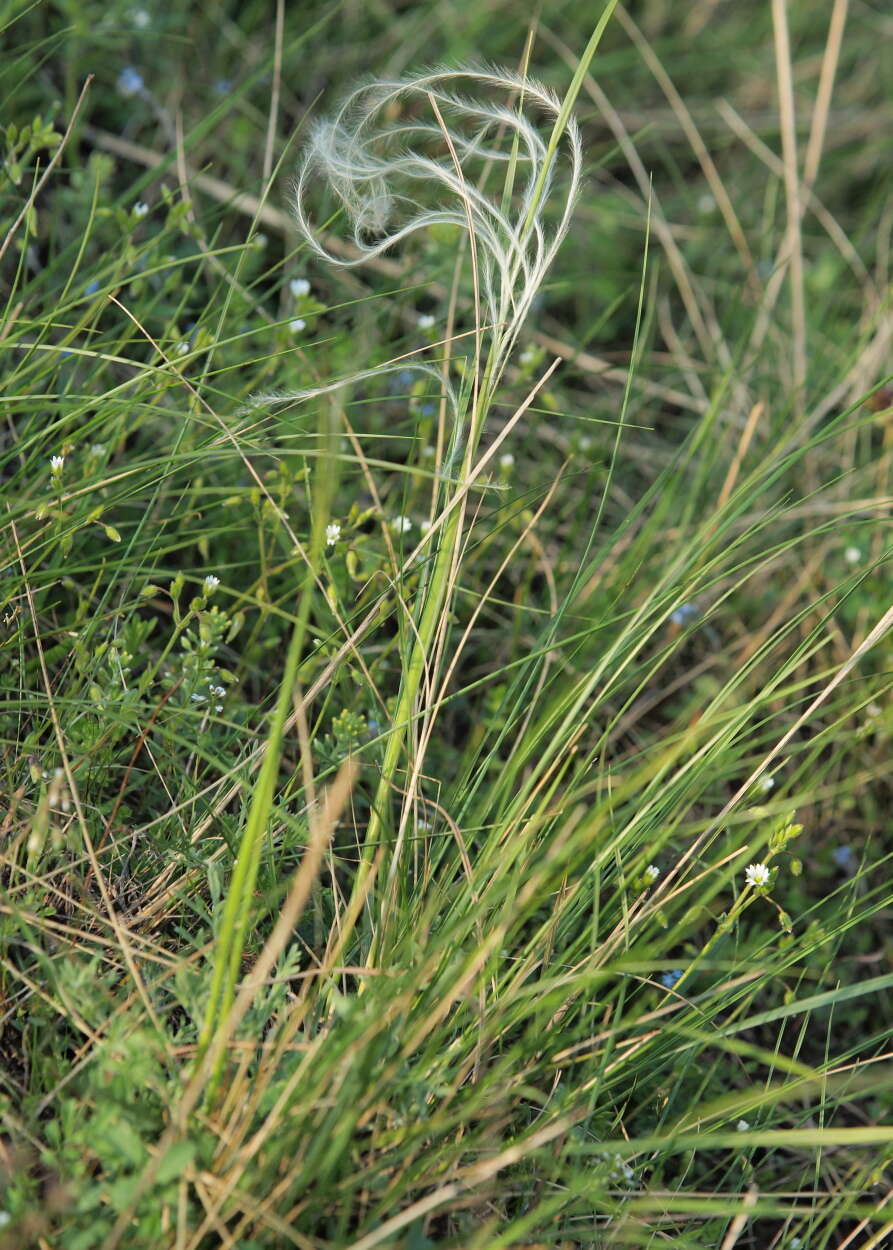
381,171
394,177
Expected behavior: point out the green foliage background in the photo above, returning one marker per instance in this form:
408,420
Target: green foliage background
669,589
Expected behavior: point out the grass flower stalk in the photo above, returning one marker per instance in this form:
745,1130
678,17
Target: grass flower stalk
367,163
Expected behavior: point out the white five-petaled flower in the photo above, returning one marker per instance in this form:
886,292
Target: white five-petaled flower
400,524
299,287
756,875
211,583
333,533
426,321
56,464
652,872
297,325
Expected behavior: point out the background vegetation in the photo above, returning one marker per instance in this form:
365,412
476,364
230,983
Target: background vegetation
539,1006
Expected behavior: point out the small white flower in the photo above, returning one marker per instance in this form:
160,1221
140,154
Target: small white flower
299,287
424,526
528,356
428,451
400,524
852,555
218,691
621,1170
506,460
333,533
211,583
182,348
197,698
297,325
425,321
97,450
742,1126
585,443
140,18
56,465
706,203
260,240
652,872
766,783
757,875
140,208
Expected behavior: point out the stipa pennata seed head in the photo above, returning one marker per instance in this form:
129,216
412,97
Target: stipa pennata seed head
406,154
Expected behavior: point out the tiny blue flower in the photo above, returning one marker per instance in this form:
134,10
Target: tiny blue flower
223,86
845,859
130,81
686,612
669,979
91,288
427,410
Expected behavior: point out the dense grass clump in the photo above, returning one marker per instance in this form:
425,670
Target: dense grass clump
446,640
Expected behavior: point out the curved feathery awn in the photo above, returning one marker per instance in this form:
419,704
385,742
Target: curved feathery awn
404,155
388,183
